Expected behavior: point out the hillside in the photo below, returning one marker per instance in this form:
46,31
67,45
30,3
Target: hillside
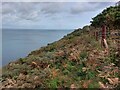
75,61
109,16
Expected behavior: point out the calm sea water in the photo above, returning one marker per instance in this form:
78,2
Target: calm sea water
19,43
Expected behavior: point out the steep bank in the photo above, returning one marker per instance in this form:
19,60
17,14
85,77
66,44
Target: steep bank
75,61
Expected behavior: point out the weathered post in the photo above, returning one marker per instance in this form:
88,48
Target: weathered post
97,36
103,40
103,32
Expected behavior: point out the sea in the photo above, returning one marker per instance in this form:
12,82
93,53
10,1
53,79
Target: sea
18,43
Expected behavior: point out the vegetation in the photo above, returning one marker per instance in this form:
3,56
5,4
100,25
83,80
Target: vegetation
75,61
109,16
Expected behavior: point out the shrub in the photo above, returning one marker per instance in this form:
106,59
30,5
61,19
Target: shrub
83,55
22,60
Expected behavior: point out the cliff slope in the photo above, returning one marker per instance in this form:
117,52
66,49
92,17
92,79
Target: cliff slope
75,61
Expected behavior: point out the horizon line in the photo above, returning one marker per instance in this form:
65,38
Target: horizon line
41,28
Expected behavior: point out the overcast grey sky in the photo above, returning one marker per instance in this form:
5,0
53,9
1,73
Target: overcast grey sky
52,15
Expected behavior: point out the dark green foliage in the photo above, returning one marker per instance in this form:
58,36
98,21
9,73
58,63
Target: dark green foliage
22,60
109,16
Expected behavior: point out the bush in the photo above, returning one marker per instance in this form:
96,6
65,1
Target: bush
83,55
22,60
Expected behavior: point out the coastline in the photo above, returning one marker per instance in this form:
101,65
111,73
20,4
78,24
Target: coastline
80,59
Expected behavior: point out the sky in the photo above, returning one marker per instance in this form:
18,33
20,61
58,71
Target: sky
50,15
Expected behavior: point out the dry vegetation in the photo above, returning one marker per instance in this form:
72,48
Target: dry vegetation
75,61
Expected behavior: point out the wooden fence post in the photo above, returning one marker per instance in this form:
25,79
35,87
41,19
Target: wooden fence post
103,40
96,35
